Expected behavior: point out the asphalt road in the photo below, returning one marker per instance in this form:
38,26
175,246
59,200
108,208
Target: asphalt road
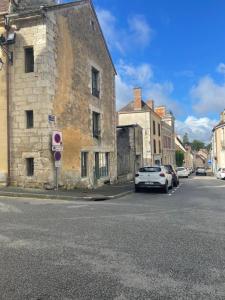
143,246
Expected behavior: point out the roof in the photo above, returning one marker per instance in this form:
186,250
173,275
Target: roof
127,126
220,124
130,107
4,6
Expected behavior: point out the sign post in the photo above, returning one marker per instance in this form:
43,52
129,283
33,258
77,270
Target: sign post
57,148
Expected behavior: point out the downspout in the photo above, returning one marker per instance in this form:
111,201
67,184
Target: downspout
8,116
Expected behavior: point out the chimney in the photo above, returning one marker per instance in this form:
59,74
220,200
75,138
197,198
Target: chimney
161,111
137,99
222,116
151,104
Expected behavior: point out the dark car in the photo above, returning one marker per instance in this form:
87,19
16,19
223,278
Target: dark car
171,169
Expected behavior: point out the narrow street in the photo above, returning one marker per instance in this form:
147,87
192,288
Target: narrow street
143,246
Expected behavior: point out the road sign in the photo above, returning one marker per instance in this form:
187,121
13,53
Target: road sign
56,138
58,163
57,156
51,118
57,148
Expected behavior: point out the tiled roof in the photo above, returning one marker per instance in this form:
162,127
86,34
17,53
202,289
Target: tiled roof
130,107
4,6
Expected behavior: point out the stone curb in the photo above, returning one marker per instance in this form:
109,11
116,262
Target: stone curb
64,197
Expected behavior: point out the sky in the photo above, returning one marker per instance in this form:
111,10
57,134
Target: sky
175,51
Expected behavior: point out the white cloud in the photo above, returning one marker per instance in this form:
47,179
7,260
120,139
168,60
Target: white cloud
137,33
221,68
210,96
197,128
142,75
140,29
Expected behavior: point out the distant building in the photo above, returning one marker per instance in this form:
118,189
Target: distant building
145,115
189,157
218,144
129,151
168,135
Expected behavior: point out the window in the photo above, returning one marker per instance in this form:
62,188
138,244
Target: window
30,166
29,59
159,147
101,164
96,125
154,144
154,127
30,118
159,130
95,82
84,164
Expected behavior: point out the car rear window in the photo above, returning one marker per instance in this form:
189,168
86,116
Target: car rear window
150,169
180,169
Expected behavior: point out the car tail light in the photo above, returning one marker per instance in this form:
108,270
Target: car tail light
136,175
162,175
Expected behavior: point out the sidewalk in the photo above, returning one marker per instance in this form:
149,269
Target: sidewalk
105,192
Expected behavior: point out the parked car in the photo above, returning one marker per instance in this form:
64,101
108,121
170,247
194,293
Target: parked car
220,173
200,171
174,174
182,172
153,177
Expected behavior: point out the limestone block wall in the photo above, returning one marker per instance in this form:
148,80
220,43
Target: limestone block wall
30,91
3,124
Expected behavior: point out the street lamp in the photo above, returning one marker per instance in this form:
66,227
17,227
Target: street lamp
4,42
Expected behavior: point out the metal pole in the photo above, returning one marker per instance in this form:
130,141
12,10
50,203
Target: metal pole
56,178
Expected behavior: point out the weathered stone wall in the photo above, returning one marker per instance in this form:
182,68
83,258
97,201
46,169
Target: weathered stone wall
3,122
29,91
67,42
75,44
129,151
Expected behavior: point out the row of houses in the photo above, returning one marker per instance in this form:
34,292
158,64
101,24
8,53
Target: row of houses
218,144
57,75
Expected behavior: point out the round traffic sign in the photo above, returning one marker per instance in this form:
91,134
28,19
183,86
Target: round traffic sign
57,156
57,138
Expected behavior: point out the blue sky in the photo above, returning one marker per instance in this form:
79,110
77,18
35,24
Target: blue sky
175,51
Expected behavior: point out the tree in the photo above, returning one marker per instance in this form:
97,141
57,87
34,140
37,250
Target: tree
197,145
186,139
179,158
209,147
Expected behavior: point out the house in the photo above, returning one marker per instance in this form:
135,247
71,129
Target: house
59,77
168,135
129,151
189,158
143,114
218,144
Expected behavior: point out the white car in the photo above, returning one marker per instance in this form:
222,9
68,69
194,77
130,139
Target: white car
153,177
182,172
220,173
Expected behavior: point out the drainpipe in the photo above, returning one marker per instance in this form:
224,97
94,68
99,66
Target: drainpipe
8,112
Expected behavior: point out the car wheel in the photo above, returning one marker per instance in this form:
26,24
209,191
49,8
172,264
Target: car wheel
137,190
166,188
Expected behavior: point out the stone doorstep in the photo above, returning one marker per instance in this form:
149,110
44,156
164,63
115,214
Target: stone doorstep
96,197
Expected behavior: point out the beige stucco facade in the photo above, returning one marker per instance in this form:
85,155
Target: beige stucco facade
67,43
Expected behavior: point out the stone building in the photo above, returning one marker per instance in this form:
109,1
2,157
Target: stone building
218,144
168,135
62,78
129,151
143,114
189,158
